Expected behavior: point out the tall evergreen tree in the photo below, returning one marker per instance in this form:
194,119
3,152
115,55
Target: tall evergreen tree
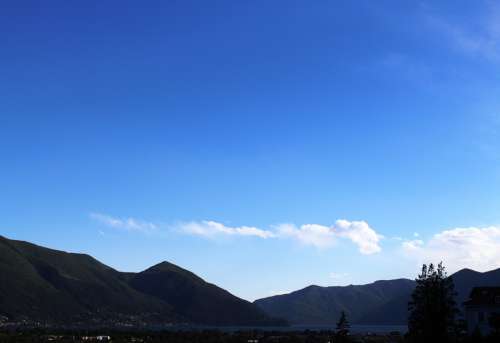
494,322
432,308
343,324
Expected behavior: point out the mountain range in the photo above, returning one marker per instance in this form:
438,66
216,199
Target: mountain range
38,284
378,303
51,286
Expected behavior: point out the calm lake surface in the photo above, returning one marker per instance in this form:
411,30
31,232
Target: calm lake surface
358,328
355,329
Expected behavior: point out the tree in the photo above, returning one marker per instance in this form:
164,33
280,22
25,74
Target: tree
494,322
343,325
432,307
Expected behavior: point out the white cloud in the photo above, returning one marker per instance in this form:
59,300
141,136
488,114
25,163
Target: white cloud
315,235
472,247
209,228
127,224
319,236
359,232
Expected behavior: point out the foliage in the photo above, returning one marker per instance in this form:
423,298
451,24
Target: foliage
343,327
432,308
494,322
343,324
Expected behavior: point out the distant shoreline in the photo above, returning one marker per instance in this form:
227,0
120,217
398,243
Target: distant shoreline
355,329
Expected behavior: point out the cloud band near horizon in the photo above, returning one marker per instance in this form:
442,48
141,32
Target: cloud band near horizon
316,235
319,236
471,247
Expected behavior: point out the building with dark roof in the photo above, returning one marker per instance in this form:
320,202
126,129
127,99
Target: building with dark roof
482,304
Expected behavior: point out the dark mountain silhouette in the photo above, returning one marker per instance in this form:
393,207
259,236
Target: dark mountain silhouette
379,303
196,299
53,286
58,287
466,279
393,312
316,305
48,284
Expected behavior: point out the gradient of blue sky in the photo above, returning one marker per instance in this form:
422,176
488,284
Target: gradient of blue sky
253,113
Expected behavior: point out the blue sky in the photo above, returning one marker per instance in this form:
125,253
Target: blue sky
264,145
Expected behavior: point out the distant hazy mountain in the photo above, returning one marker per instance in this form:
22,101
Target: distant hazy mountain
43,284
316,305
381,302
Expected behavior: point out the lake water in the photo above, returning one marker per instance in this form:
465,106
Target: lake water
364,329
355,329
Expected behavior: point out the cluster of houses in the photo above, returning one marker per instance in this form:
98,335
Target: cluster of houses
96,338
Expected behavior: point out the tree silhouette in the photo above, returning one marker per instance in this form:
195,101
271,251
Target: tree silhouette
432,307
343,325
494,322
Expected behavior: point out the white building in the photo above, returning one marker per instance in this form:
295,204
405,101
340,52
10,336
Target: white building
483,303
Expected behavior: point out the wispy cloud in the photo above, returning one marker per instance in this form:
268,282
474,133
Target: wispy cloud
316,235
482,40
472,247
208,228
127,224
